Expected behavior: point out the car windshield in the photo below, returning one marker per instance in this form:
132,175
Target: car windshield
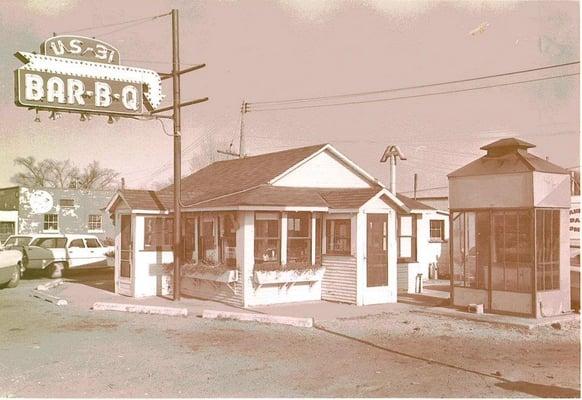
50,242
17,241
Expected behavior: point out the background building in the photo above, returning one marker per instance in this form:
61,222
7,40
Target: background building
47,210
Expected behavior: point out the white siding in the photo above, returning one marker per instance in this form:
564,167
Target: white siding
323,171
214,291
339,281
485,191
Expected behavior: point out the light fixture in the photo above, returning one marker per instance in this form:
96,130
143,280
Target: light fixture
55,115
110,120
37,118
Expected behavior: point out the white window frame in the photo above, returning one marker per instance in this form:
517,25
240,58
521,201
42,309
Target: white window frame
44,223
89,223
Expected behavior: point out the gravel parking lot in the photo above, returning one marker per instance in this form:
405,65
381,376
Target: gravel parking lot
71,351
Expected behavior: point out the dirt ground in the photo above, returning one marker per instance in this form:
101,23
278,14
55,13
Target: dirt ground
71,351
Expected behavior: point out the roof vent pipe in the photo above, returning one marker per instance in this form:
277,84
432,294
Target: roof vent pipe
391,153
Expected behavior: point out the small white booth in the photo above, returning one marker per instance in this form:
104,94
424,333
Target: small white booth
509,232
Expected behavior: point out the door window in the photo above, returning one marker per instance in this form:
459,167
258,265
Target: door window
77,243
92,243
377,257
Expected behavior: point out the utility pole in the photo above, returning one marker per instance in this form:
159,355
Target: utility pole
415,184
176,107
177,151
241,146
391,153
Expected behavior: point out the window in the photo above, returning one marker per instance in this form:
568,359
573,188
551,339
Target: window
95,222
470,242
67,203
92,243
6,229
267,238
158,233
338,236
299,238
51,222
227,239
407,238
512,251
77,243
548,249
208,248
50,243
17,241
437,230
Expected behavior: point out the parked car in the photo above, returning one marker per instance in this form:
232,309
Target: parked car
56,253
18,241
11,267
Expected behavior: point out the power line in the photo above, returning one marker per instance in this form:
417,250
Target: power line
117,23
299,100
413,96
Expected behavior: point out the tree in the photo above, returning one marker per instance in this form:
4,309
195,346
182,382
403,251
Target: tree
62,174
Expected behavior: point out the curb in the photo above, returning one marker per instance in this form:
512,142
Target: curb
140,309
50,298
269,319
50,285
495,320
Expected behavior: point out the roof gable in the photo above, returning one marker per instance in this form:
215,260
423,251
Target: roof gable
232,176
324,169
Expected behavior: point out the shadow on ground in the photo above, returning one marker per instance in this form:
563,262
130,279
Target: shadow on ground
535,389
529,388
101,278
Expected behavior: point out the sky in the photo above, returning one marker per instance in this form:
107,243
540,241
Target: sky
261,51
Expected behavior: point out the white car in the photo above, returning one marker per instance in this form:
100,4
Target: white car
11,267
56,253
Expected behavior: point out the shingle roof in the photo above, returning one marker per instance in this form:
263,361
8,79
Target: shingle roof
413,204
507,156
244,182
348,198
507,164
508,142
146,199
226,177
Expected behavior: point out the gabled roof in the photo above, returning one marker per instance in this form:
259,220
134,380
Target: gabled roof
413,204
142,200
249,182
239,174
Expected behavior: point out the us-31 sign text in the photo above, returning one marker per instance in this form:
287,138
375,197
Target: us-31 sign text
79,74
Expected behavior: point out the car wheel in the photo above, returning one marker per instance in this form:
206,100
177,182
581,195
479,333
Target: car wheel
55,270
15,277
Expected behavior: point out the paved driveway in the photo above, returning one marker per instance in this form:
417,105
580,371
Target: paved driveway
50,351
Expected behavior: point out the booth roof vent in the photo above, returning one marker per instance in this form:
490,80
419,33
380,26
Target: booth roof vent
505,146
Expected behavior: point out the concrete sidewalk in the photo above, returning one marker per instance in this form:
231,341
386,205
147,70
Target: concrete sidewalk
97,288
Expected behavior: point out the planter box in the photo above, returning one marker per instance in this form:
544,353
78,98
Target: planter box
225,277
288,276
111,261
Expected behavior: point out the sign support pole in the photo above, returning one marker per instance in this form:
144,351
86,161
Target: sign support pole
177,152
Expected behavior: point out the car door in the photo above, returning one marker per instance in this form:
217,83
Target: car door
43,251
78,253
96,252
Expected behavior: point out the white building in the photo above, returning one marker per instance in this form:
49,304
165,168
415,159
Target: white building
296,225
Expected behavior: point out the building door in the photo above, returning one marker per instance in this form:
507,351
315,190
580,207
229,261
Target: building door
125,257
376,259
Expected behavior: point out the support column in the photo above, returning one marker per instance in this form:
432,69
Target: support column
313,237
283,238
245,253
